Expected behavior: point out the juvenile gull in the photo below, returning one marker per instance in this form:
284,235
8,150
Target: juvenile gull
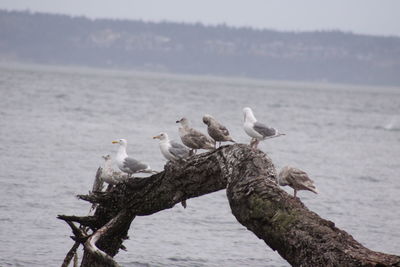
216,130
296,179
109,175
257,130
128,164
170,149
193,138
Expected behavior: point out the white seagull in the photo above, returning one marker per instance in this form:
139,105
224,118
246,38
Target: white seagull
192,138
257,130
170,149
128,164
216,130
296,179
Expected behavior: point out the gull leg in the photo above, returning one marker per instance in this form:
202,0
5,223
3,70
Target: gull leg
295,191
252,142
255,144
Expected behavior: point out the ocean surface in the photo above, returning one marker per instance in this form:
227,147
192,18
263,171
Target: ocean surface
56,123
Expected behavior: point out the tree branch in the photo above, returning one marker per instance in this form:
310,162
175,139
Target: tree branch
283,222
71,253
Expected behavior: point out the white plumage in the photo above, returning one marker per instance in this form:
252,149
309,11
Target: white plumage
257,130
170,149
128,164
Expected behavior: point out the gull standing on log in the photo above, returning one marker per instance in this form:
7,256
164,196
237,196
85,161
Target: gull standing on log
296,179
109,175
193,138
216,130
257,130
128,164
170,149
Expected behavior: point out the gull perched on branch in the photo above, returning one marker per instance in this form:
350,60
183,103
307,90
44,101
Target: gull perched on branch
128,164
296,179
257,130
109,175
216,130
170,149
192,138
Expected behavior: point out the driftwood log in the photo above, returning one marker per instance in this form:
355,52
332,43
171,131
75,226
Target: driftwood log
300,236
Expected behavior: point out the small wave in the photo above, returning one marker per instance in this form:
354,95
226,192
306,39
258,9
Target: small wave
387,128
368,179
392,125
186,259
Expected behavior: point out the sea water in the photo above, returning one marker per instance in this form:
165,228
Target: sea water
56,123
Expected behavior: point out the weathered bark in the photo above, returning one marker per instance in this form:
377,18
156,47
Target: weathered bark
282,221
286,225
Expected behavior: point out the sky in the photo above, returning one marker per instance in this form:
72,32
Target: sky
373,17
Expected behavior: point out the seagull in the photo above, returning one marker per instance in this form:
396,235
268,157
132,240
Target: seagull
296,179
128,164
170,149
216,130
193,138
257,130
109,175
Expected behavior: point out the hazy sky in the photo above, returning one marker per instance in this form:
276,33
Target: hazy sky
380,17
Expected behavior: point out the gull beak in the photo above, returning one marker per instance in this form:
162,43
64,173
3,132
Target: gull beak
115,142
178,121
156,137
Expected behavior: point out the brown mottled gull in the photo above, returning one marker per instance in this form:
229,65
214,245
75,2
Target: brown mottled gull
193,138
296,179
216,130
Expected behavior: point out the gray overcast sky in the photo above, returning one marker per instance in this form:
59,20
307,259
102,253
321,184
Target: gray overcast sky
378,17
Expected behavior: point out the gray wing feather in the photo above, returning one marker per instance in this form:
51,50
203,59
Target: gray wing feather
134,165
178,150
264,130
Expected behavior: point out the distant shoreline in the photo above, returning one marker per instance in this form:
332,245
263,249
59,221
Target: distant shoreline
195,49
318,85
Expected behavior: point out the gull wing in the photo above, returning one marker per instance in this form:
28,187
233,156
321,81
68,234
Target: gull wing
299,179
264,130
178,150
134,165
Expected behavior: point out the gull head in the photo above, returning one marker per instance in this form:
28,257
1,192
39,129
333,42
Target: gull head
207,119
248,114
106,157
121,142
161,136
183,121
282,176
